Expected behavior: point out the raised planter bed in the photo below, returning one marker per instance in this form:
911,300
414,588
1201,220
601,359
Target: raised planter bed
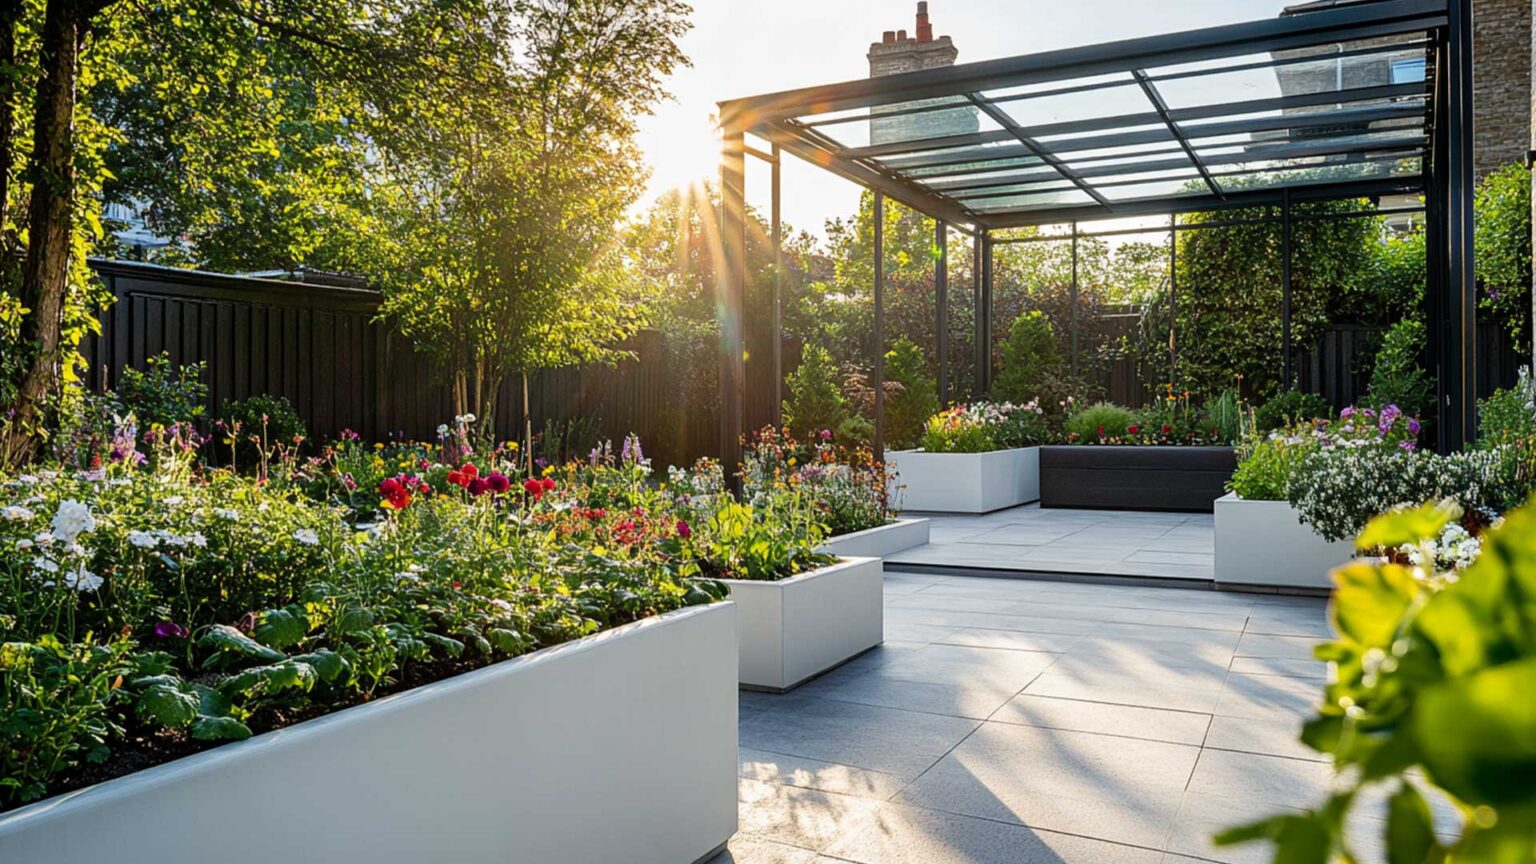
795,629
617,747
888,539
1266,543
964,482
1109,477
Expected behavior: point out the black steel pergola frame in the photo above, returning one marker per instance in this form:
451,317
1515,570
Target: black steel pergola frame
906,171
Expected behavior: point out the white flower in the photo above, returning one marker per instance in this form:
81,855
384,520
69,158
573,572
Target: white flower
173,539
227,514
197,539
306,536
47,565
407,576
442,429
172,500
23,543
143,539
72,520
43,538
82,580
27,480
18,514
501,604
119,481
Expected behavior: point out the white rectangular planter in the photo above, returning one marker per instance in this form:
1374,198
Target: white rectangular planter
797,628
888,539
617,747
964,482
1266,543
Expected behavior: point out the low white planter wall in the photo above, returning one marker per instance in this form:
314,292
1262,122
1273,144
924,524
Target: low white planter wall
965,482
797,628
889,539
1266,543
617,747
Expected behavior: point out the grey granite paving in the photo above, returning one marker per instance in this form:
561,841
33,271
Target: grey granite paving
1036,722
1090,542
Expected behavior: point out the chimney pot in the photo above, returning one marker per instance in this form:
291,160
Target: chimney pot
901,35
889,37
924,27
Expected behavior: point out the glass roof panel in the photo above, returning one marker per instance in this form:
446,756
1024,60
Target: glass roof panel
995,178
1318,173
1010,191
1032,201
1154,188
1093,81
1379,66
865,131
1041,110
882,111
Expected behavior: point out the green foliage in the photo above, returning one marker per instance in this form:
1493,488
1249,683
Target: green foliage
1222,415
815,402
1433,674
847,485
1397,378
164,394
741,542
982,427
1502,247
907,410
1030,358
1290,407
1099,422
57,705
1266,461
1230,291
260,425
1508,416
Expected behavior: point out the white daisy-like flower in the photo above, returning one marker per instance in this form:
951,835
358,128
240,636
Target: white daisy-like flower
72,519
306,536
197,539
43,538
47,565
143,539
27,480
172,500
15,513
82,579
23,543
227,514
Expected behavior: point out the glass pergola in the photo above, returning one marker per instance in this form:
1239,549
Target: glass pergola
1353,99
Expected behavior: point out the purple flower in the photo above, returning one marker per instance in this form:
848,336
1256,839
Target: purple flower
1406,445
826,434
171,630
1414,426
1347,413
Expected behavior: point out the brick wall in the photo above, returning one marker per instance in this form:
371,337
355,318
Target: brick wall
1501,76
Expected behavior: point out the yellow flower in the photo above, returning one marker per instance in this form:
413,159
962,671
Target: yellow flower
549,470
378,445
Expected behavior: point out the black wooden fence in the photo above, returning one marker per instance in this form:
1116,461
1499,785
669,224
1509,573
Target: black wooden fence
321,348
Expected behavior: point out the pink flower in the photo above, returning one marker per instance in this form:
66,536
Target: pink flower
683,529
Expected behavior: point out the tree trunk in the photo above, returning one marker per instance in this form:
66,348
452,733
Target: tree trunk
527,428
45,272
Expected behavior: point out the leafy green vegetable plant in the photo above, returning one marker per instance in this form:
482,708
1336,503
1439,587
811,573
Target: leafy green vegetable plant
1430,694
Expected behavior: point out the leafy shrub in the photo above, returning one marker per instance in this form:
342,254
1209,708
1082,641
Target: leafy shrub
815,400
1099,422
1030,358
1397,378
1503,247
915,400
740,541
1265,466
1338,490
1508,416
1289,407
1431,683
164,394
257,426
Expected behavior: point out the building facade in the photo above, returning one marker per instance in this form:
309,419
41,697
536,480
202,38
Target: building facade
897,52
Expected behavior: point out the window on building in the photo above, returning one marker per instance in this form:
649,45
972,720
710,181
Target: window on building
1408,71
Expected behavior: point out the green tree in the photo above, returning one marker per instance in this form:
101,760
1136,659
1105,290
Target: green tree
815,402
1502,243
1030,359
914,400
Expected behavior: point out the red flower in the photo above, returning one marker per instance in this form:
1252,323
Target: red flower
1101,431
470,470
533,487
1133,429
498,482
548,483
683,530
394,493
478,486
458,478
1167,428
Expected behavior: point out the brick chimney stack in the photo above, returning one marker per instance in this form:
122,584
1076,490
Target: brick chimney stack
924,29
896,53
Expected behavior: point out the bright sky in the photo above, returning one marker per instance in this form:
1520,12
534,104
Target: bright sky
747,47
